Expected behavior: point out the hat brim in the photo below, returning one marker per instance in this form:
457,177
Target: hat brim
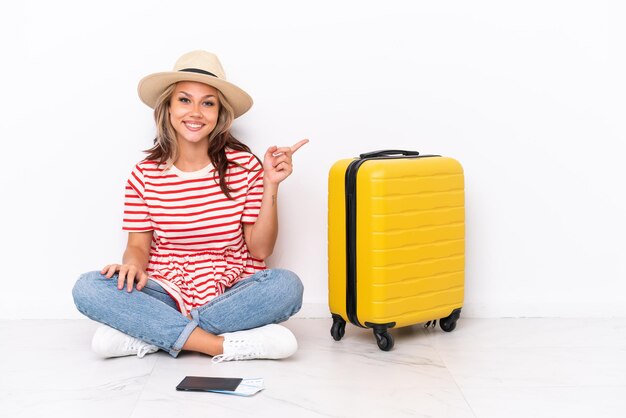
153,85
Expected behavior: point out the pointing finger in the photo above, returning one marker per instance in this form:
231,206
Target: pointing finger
297,146
281,151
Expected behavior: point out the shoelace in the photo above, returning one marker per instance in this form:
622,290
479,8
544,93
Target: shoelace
143,350
241,350
141,347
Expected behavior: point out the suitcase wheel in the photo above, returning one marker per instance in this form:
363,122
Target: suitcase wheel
339,327
449,322
383,339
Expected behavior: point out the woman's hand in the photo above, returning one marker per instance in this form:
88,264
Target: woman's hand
277,163
128,273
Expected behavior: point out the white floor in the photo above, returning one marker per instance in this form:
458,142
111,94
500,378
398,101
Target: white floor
485,368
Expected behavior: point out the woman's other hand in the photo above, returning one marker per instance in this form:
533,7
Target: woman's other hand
128,273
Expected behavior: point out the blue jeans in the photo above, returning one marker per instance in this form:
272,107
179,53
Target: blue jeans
268,297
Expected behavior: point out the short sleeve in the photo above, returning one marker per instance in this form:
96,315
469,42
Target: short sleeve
254,196
136,213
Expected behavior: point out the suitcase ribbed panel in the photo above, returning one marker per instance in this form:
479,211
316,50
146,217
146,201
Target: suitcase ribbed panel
410,239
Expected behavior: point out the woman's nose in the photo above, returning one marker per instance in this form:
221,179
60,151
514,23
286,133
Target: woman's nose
196,111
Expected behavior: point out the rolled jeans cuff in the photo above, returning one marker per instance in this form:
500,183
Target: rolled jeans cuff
182,338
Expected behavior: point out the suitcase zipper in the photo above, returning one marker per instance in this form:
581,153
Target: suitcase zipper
351,241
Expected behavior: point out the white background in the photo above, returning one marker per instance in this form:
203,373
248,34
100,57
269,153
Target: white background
527,95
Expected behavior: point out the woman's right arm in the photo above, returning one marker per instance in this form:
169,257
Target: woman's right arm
135,262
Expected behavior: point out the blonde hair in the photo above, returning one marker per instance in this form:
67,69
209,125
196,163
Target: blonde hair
165,148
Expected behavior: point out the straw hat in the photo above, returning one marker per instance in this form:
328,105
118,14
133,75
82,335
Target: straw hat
200,66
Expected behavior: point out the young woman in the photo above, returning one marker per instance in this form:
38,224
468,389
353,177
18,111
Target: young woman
201,217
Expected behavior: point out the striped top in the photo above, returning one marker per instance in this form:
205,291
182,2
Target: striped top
198,248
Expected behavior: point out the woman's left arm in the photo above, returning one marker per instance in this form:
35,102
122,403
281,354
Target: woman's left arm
277,166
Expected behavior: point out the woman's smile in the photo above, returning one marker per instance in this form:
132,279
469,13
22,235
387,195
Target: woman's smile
193,126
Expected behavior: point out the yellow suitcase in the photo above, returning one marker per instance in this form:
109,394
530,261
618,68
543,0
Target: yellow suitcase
396,242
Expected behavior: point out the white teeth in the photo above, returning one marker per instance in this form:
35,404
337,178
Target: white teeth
194,125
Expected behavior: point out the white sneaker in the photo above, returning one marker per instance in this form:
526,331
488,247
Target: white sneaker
268,342
108,342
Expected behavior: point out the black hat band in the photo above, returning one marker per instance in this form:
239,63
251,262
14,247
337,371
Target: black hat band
199,71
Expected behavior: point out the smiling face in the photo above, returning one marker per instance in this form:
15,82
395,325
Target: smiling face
194,110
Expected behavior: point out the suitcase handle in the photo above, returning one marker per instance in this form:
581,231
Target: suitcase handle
387,152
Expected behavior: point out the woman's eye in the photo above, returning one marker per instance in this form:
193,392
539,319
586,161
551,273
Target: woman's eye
209,104
183,100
